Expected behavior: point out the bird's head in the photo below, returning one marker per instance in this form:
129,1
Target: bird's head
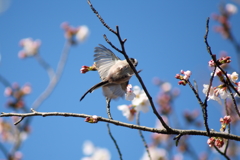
134,62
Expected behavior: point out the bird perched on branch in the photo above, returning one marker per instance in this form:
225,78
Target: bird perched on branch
114,73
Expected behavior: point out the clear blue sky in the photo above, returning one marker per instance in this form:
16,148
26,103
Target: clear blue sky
165,37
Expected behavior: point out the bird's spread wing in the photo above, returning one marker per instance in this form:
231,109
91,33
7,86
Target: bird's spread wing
113,91
104,59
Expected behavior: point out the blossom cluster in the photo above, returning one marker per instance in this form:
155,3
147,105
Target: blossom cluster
183,78
139,103
94,153
221,90
9,133
218,141
75,35
30,47
16,94
226,11
224,122
220,61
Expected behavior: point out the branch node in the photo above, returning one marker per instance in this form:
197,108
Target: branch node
177,138
33,110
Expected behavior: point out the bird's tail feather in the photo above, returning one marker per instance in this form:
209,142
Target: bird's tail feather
93,88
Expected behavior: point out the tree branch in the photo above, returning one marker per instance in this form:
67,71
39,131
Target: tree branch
45,65
203,106
118,123
53,82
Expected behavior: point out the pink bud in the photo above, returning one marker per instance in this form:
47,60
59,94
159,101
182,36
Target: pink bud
225,120
211,141
93,119
211,63
177,76
26,89
219,142
8,91
84,69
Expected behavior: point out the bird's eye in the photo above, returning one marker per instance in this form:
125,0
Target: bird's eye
134,61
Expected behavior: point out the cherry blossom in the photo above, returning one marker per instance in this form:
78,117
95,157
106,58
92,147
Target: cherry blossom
75,35
129,96
156,154
231,9
128,111
141,100
30,47
233,77
212,95
95,153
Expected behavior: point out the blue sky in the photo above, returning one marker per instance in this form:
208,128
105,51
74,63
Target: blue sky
165,37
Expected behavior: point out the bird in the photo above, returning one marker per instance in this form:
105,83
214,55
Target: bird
114,73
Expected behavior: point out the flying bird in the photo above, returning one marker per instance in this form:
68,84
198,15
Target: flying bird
114,73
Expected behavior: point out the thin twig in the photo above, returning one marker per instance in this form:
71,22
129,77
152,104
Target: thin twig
118,123
222,153
110,43
203,106
45,65
19,121
115,142
108,100
142,137
229,128
210,85
53,82
4,81
100,18
177,138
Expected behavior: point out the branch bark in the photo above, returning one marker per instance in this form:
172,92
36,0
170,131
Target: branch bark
123,124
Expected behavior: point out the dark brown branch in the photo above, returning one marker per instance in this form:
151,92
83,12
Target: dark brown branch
100,18
223,154
177,138
19,121
203,106
210,85
110,43
118,123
